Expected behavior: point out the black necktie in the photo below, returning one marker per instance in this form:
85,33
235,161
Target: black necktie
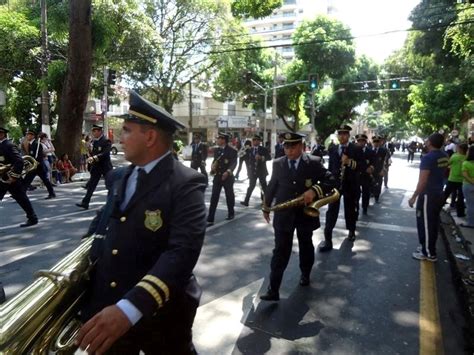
293,166
140,179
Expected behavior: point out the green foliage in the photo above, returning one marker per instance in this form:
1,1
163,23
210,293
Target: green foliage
254,8
325,46
460,37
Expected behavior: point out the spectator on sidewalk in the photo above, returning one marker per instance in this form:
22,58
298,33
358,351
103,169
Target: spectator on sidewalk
84,153
455,179
468,186
66,168
429,197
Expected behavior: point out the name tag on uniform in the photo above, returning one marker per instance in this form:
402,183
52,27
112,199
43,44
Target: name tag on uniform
226,161
153,220
2,158
99,149
308,183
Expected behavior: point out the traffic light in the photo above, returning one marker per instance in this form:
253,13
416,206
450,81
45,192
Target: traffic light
112,78
313,81
394,84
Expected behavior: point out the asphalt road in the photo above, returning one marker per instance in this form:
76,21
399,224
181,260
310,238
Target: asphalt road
366,297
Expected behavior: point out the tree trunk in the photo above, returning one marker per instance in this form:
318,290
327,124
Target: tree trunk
75,90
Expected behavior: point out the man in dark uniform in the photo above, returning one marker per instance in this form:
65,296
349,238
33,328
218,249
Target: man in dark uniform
257,168
294,175
143,295
318,150
381,155
223,165
199,155
36,151
100,161
388,160
244,156
12,182
366,171
279,148
344,164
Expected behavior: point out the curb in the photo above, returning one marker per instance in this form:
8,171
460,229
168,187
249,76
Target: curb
462,271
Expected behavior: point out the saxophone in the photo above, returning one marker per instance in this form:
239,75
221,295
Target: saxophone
215,165
42,318
311,210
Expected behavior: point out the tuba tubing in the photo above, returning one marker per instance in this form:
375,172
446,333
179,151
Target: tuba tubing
32,320
29,164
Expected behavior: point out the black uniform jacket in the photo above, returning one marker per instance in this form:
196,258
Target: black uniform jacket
9,154
279,150
349,177
368,159
199,153
258,167
380,159
283,187
152,246
101,151
225,159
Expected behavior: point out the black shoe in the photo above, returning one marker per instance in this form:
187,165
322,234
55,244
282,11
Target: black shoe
84,187
210,223
50,197
230,217
31,188
351,236
82,205
376,200
304,280
29,223
325,246
243,203
270,296
364,211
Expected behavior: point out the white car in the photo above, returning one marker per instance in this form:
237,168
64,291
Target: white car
116,147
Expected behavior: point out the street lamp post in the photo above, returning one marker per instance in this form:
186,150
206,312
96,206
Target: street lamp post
45,126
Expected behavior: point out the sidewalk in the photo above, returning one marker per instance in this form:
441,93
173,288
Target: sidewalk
459,242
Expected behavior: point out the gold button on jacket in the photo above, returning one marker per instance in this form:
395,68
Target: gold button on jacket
123,219
113,284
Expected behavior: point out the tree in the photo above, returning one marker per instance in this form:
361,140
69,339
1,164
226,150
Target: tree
189,30
254,8
76,87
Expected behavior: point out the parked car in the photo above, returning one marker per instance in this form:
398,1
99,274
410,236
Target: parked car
116,147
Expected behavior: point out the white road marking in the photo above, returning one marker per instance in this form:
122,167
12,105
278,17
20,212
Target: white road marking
12,255
219,323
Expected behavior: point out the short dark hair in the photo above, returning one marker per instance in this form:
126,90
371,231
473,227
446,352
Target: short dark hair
463,147
436,140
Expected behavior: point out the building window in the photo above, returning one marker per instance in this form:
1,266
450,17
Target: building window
197,108
289,2
287,49
288,25
288,13
231,110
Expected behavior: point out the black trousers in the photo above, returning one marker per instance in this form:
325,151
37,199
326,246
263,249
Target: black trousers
282,253
377,186
43,175
455,187
168,333
253,182
96,174
18,193
196,165
385,177
366,182
428,207
350,213
217,186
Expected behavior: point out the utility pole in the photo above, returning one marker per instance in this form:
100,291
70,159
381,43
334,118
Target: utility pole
105,102
45,126
274,106
190,122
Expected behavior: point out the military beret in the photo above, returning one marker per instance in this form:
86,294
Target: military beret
292,137
145,112
257,137
360,137
3,130
96,127
344,129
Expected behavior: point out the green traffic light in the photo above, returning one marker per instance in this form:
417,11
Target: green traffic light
314,85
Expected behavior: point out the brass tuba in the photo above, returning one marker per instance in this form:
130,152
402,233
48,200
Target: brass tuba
42,318
215,165
311,210
29,164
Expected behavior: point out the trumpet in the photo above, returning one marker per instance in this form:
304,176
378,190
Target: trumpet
243,151
29,164
311,210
